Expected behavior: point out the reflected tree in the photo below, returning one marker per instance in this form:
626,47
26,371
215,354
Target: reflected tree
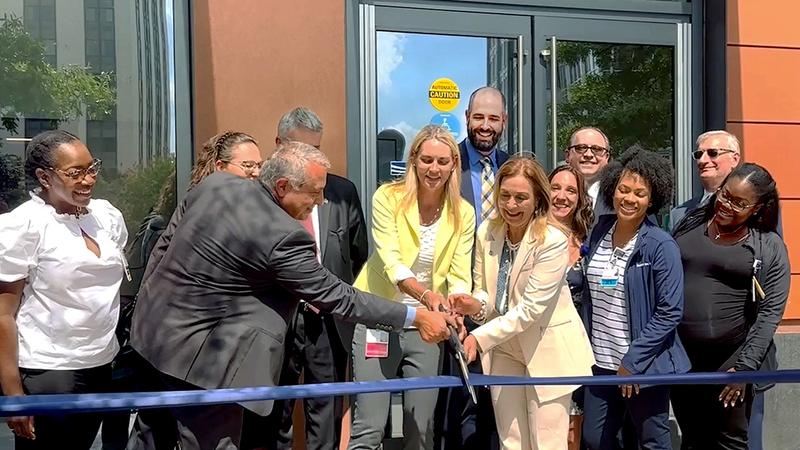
12,179
33,88
626,90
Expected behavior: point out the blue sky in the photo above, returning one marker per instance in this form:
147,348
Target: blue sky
407,65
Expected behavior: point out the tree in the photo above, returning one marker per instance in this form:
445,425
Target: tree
33,88
12,189
629,94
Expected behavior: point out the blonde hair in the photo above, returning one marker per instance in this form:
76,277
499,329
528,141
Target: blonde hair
529,168
409,184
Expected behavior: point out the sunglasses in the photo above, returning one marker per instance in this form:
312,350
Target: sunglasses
712,152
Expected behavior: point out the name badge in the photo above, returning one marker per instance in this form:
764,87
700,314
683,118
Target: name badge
377,344
609,279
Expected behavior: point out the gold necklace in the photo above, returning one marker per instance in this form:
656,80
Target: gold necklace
433,220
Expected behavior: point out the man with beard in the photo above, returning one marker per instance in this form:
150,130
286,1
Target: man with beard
469,426
480,158
588,152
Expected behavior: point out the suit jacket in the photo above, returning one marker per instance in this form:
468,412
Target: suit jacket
466,177
677,213
540,315
343,238
215,312
397,243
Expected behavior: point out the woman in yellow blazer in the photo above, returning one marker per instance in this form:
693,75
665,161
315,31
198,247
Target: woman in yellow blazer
423,233
530,326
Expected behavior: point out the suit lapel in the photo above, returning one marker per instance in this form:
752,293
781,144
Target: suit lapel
491,258
466,176
324,216
444,234
411,216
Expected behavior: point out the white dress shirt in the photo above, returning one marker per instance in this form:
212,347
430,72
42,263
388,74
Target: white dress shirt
70,302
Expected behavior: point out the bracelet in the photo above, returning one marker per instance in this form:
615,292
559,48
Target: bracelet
422,296
481,316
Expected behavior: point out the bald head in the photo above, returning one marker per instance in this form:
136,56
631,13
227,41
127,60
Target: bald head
486,119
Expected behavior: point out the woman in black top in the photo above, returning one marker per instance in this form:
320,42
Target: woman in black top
573,209
736,271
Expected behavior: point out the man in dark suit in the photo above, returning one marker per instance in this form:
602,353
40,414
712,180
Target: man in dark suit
315,347
215,312
468,426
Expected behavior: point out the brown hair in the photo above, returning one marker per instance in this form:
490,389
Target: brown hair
409,183
583,215
218,148
529,168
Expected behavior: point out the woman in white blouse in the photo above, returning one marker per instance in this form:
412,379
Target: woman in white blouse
423,233
61,265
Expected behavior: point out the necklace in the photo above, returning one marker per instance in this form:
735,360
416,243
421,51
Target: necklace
433,220
720,234
79,211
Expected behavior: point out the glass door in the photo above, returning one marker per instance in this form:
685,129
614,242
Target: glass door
628,78
419,66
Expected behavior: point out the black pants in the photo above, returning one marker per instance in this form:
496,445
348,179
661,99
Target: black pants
605,411
315,351
705,423
206,427
72,431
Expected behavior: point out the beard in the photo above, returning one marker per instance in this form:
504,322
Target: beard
482,146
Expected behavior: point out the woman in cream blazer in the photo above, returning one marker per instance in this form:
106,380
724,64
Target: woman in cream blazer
423,234
530,326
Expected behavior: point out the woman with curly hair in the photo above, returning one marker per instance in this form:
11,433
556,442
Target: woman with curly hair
572,207
737,284
633,302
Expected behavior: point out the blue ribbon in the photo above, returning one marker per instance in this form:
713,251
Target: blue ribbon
74,403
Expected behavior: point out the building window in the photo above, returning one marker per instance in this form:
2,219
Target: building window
40,22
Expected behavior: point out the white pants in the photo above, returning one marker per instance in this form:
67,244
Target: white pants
523,423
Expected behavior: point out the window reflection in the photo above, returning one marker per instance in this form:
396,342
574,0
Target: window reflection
103,70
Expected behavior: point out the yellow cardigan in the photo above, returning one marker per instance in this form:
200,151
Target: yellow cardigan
396,237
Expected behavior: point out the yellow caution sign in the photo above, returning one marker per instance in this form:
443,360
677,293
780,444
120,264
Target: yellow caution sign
444,94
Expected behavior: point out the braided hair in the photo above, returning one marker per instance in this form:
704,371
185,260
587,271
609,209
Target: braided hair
218,148
41,154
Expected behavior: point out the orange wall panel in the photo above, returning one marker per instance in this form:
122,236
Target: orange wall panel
766,144
763,22
255,60
793,306
763,84
790,210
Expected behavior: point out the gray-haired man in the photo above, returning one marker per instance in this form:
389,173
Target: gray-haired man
215,312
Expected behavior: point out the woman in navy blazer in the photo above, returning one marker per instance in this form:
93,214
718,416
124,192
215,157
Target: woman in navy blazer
633,303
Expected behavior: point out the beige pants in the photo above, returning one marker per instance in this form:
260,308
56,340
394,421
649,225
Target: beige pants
523,423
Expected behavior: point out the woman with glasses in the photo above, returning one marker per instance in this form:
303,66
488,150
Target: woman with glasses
61,265
423,232
233,152
529,324
633,302
736,286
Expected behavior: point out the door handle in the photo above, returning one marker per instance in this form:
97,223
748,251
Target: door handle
520,87
554,99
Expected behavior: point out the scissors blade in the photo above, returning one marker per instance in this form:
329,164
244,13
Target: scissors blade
465,375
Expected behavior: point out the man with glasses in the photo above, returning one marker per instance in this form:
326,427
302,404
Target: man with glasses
318,345
717,154
588,152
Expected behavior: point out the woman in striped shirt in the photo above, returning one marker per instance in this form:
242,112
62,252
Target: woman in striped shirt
633,303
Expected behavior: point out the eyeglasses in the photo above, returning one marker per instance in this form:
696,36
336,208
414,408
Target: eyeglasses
249,166
583,148
738,207
712,152
79,174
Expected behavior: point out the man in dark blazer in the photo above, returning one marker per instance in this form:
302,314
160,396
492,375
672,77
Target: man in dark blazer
468,426
215,312
315,347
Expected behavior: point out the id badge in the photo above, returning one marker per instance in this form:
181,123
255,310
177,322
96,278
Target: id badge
609,279
377,344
